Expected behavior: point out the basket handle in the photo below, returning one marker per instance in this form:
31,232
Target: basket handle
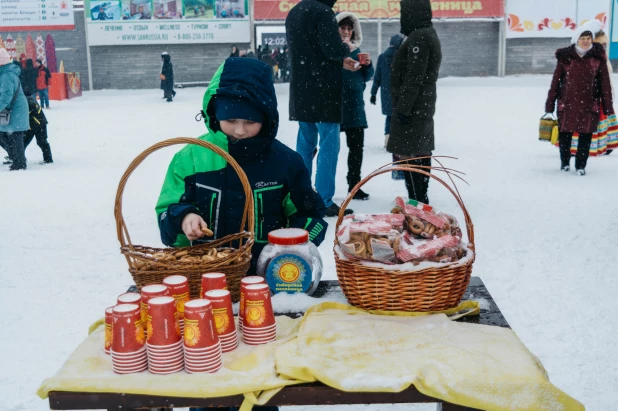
247,215
415,169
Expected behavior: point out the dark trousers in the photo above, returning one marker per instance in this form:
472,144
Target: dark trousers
356,140
418,184
168,93
583,149
14,143
41,140
387,125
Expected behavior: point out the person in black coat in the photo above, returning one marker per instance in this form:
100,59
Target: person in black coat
317,55
28,78
167,77
382,81
38,129
414,75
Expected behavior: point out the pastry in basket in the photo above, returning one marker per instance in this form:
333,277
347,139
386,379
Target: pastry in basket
202,198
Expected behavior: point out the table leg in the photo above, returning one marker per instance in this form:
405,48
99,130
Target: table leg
447,406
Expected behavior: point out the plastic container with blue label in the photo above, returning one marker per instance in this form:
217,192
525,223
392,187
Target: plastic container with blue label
290,263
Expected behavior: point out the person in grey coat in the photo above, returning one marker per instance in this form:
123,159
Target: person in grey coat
12,98
416,66
382,82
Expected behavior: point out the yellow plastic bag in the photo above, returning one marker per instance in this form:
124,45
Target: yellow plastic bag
555,131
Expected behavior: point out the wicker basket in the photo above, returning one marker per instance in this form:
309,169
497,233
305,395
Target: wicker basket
429,289
146,269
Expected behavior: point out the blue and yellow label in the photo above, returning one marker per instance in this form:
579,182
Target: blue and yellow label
289,273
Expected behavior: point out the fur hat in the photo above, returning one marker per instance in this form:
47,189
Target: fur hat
358,32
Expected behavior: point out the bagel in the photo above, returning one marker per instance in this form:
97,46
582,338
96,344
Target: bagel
208,258
396,210
416,226
160,256
207,231
359,248
212,252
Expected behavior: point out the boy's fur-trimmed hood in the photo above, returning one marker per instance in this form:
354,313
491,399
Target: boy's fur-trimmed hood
358,32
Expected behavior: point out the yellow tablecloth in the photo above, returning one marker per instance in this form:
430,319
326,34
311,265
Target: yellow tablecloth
473,365
478,366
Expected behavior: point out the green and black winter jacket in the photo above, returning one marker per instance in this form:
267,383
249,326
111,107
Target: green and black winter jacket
199,181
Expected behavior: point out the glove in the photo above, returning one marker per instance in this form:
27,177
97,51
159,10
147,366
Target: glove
372,100
403,120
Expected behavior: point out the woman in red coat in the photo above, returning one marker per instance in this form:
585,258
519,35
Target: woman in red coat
582,87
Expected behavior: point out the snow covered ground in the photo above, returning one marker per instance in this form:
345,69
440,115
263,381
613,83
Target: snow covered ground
546,240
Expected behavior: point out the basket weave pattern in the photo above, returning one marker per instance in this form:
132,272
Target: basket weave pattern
429,289
148,269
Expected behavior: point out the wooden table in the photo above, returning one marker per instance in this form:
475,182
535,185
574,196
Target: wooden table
302,394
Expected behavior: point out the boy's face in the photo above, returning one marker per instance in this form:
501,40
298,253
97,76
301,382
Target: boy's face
240,129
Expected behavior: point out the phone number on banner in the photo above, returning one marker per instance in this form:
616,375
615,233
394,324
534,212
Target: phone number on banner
210,31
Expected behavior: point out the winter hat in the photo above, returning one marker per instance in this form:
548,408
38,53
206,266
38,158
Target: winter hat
4,57
396,41
238,108
593,26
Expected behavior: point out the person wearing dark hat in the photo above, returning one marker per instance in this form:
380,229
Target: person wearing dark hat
382,82
167,77
42,83
416,66
38,130
201,190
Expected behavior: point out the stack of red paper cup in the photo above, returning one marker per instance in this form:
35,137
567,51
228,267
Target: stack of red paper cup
148,292
252,279
109,320
129,298
128,350
165,354
178,286
259,326
212,281
201,343
221,301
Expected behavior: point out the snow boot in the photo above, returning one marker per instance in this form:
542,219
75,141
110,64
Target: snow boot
580,172
360,195
333,211
565,167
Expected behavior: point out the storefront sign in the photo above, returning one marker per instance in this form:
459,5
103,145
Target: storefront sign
278,9
552,18
26,15
135,22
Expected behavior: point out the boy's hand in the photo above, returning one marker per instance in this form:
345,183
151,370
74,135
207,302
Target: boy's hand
193,226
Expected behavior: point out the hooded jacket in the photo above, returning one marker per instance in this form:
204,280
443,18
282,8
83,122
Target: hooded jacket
199,181
354,82
316,59
168,71
9,85
580,84
416,66
382,78
29,76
